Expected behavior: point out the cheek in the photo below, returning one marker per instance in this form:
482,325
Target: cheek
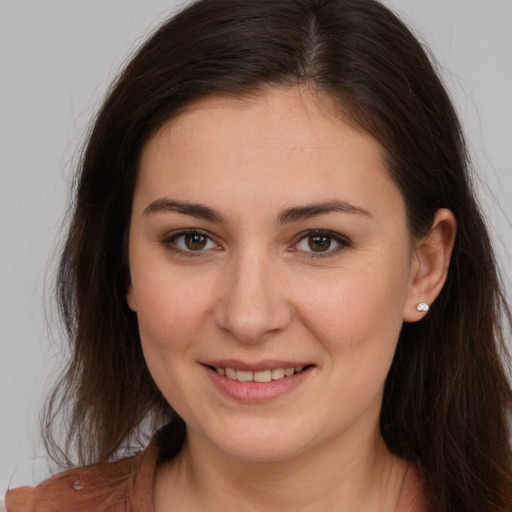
172,309
358,301
357,311
172,316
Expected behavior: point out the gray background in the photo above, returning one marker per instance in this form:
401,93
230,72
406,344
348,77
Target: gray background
57,58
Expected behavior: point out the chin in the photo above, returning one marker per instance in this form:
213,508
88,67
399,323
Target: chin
263,443
260,452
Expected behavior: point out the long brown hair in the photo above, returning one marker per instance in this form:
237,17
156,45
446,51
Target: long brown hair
447,396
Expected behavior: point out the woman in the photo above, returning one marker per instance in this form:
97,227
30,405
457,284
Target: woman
276,253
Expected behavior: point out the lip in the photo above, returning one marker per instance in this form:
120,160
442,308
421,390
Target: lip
256,392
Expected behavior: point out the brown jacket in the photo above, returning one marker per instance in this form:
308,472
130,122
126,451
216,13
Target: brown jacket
127,486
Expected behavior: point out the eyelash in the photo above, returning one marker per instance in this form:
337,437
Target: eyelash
169,242
342,242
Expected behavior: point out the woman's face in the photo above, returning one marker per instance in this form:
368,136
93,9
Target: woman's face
267,237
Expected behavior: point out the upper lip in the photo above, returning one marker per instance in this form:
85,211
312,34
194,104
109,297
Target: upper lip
256,366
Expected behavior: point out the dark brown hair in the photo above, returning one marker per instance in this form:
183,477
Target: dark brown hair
447,396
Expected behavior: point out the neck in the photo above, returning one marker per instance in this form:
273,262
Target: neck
354,474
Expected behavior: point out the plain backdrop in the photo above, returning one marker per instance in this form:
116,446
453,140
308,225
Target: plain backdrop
57,58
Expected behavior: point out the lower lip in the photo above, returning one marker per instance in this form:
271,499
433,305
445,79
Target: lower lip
254,392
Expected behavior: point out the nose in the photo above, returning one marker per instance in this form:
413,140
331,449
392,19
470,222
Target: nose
251,303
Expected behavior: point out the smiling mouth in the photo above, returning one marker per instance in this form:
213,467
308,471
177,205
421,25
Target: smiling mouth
259,376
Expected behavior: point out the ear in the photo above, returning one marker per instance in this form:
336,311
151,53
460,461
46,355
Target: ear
431,259
130,297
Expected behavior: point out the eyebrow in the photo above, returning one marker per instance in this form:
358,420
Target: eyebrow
305,212
286,216
197,210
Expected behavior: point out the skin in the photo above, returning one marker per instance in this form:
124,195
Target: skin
257,291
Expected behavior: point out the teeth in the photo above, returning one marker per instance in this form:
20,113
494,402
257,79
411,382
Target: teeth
230,373
242,376
277,373
261,376
264,376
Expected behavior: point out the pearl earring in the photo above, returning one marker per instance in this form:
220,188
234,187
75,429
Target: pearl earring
423,307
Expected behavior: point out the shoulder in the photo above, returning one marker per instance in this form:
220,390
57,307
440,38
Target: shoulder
120,486
412,497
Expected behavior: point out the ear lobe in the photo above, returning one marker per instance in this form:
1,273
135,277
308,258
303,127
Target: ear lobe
430,266
130,298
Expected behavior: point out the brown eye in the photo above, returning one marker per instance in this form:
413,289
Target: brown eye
319,243
322,243
189,242
195,241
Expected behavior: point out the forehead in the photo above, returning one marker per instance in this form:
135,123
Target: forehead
277,146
